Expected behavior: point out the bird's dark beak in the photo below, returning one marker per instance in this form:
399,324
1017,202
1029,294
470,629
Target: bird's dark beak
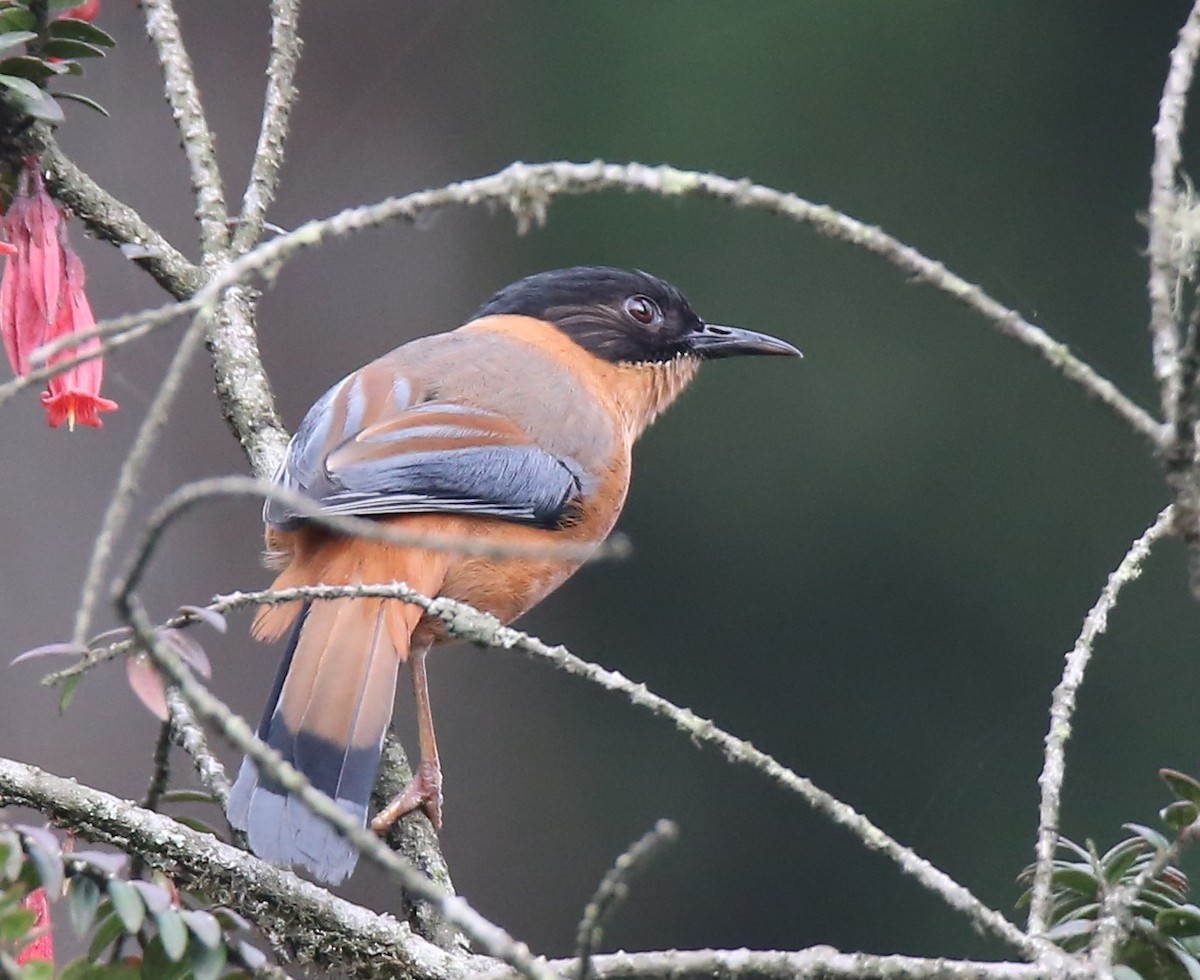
712,341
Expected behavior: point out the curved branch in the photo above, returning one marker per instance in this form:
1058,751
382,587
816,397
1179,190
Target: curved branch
1164,203
116,222
293,913
1062,709
277,109
162,25
528,189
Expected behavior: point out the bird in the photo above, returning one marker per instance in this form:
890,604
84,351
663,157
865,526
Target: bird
513,431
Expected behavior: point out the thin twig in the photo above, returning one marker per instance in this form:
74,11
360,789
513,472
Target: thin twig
1179,453
317,926
162,25
470,624
189,736
614,889
162,768
816,963
211,710
1062,709
116,222
120,504
272,136
528,189
1115,919
1164,203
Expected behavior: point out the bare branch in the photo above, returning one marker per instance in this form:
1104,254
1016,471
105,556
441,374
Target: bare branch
816,963
1062,708
1164,204
277,108
528,189
189,736
162,25
116,222
243,389
470,624
128,481
614,888
490,937
334,934
293,913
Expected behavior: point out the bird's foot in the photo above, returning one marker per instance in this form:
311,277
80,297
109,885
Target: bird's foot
424,792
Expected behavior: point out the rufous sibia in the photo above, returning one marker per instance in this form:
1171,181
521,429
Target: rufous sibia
514,430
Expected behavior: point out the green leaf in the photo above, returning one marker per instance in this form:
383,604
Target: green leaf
1122,972
1182,785
203,925
1180,921
1074,878
49,869
81,30
16,19
157,899
83,898
82,100
26,66
253,957
12,39
157,966
187,796
127,903
37,970
66,48
1179,814
198,825
1152,837
30,99
16,924
1188,962
12,856
173,934
207,961
106,934
69,688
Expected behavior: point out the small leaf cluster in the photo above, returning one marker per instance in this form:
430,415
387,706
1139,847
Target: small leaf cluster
1164,939
52,49
165,940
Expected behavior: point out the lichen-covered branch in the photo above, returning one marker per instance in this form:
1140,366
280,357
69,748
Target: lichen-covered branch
1164,248
295,914
1062,709
277,110
116,222
470,624
183,95
528,189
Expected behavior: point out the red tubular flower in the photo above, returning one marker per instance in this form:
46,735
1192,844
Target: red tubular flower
42,948
42,298
85,11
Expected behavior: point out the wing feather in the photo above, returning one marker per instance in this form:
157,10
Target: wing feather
377,444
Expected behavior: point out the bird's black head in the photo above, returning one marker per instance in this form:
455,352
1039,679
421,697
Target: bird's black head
625,317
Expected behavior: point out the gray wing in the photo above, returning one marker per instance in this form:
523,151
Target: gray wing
369,447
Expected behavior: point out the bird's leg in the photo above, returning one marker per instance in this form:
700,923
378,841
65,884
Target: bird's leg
424,790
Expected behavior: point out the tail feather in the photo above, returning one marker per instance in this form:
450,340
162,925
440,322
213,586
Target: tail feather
330,709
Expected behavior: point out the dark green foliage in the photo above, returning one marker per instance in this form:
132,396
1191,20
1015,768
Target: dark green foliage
1164,937
51,48
139,929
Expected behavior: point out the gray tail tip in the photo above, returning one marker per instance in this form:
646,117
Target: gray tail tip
284,831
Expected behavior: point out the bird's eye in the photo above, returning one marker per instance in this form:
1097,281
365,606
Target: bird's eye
643,309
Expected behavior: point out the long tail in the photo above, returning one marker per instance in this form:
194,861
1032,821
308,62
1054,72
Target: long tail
327,715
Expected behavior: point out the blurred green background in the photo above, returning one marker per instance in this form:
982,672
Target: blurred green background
869,563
